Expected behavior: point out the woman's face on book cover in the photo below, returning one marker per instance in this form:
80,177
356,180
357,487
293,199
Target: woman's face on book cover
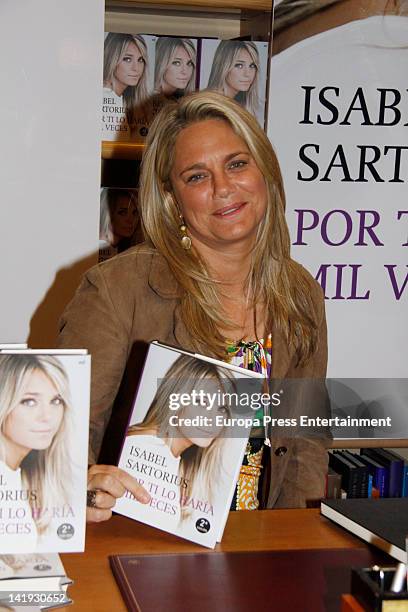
203,412
37,414
242,74
178,72
124,219
130,66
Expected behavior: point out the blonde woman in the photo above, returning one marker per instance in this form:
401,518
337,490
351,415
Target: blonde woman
193,452
125,74
34,440
235,73
216,277
175,66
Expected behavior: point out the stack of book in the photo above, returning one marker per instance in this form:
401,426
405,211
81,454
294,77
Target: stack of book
36,580
374,472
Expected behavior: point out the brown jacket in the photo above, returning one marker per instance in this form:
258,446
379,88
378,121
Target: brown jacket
134,297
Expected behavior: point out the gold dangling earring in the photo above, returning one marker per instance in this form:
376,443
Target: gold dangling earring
185,240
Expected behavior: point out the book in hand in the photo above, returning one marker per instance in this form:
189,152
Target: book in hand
44,413
33,576
382,522
185,441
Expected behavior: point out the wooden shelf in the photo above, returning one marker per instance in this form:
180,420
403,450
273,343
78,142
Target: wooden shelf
371,443
207,5
121,150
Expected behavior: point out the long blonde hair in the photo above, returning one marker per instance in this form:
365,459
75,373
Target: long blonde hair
166,48
281,285
134,98
199,467
47,472
224,60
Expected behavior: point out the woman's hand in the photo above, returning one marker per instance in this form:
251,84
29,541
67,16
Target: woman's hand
105,484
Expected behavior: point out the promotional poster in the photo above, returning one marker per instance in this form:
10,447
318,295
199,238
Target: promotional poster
44,401
185,442
337,119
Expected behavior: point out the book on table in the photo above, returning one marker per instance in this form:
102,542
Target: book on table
35,578
382,522
185,441
44,395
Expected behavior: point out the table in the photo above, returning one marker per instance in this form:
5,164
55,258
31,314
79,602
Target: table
95,589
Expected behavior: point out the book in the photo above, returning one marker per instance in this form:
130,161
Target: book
127,86
37,573
378,472
291,579
348,471
185,441
382,522
394,463
333,484
13,346
404,490
363,473
44,400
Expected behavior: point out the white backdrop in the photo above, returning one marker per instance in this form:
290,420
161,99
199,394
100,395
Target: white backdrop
51,67
332,194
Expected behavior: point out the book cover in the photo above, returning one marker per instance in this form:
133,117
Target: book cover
185,441
119,221
44,407
128,67
238,70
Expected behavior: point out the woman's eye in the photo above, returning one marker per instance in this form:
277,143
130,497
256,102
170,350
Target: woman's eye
195,177
30,402
57,401
141,60
176,62
239,65
190,63
239,163
127,59
222,410
253,66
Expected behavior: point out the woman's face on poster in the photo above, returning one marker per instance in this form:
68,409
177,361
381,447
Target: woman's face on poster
242,74
178,72
130,67
124,218
37,414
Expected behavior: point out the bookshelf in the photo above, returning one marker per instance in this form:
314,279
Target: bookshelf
190,18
